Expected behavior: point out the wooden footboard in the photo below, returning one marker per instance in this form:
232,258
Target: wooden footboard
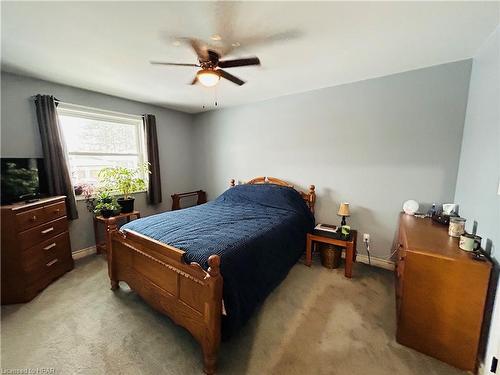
189,295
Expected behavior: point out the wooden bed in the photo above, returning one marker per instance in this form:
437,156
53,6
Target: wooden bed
189,295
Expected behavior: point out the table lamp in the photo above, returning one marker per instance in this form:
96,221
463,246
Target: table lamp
343,211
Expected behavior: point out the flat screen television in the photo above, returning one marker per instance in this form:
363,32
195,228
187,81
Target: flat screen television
23,179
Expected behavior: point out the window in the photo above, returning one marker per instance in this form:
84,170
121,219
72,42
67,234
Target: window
97,139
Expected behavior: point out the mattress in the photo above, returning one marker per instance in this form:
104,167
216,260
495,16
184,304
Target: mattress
259,231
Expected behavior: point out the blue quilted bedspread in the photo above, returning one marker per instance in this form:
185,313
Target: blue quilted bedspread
259,231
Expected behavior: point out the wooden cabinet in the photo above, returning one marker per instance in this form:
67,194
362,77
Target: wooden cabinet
35,247
440,293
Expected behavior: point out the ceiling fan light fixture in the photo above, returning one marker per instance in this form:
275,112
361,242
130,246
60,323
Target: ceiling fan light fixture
207,77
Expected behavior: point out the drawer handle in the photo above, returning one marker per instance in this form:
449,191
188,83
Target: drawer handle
48,230
52,262
33,218
401,259
50,246
57,210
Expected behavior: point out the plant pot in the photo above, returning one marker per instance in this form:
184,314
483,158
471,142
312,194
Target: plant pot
127,204
78,189
106,213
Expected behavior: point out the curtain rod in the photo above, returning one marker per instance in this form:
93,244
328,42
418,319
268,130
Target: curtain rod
93,108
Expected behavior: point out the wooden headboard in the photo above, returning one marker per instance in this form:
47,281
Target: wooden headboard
309,198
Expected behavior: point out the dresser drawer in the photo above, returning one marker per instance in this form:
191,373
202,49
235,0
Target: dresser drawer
41,233
30,219
49,266
37,256
53,270
55,210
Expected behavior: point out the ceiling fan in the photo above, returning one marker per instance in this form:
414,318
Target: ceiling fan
210,63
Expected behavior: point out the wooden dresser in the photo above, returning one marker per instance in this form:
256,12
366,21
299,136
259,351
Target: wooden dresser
35,247
440,293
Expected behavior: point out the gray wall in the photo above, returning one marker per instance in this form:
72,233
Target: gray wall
20,138
374,143
479,172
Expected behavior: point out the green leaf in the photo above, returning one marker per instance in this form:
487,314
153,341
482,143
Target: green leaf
124,180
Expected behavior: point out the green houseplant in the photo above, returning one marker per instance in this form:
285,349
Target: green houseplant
106,205
107,209
126,181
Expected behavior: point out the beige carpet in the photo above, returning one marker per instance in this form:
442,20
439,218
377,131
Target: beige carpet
316,322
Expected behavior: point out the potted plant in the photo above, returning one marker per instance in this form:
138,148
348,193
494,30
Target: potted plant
107,209
88,193
126,181
104,196
78,188
106,205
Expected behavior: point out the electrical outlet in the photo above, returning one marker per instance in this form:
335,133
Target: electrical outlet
366,237
494,364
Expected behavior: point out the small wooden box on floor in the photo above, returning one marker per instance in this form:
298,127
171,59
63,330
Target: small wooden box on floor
440,293
35,247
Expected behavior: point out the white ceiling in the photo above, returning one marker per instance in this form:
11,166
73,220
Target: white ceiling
106,46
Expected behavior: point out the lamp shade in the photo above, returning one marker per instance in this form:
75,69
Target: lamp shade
344,210
208,77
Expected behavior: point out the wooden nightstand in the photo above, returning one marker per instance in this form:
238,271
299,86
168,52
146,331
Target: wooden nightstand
349,244
110,224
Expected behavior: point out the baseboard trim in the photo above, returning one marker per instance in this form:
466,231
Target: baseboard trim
82,253
376,262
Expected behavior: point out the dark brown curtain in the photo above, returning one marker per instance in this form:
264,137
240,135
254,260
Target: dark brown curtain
54,152
154,187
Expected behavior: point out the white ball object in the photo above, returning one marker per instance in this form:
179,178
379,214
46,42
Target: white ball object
410,207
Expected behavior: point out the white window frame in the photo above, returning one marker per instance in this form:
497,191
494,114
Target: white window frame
74,110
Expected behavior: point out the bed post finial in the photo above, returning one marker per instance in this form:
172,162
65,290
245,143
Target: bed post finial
231,182
214,265
312,197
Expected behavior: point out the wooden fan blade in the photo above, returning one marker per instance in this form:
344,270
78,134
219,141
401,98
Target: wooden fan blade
199,48
171,64
239,62
230,77
246,43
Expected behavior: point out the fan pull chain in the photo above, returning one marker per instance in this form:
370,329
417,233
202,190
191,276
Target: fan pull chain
206,97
